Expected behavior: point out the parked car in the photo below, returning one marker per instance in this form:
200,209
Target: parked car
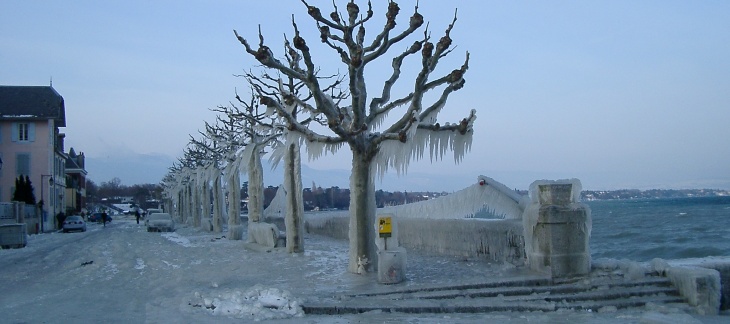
96,217
151,211
74,223
160,222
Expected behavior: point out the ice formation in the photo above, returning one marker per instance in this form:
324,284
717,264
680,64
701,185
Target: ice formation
397,155
486,193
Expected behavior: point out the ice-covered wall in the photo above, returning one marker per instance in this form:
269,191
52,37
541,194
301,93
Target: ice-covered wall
498,239
701,287
721,265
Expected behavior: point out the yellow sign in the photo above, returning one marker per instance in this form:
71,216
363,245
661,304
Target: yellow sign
385,228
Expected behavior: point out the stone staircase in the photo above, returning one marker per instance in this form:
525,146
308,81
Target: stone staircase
507,295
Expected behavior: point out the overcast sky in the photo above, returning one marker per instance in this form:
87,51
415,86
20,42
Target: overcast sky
620,94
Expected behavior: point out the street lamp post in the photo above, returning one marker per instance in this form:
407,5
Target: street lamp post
50,184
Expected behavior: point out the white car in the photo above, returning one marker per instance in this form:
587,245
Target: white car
74,223
160,222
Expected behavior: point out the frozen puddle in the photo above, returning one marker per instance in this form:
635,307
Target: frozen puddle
174,237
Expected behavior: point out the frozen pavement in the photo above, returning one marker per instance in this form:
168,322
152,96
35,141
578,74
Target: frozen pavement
122,273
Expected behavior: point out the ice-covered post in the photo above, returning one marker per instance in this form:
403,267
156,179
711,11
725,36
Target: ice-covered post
391,256
557,229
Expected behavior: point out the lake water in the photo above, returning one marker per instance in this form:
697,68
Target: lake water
672,228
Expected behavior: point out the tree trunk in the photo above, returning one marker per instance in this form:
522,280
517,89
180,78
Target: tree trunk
362,212
294,206
255,188
205,207
217,205
235,229
196,203
186,211
179,205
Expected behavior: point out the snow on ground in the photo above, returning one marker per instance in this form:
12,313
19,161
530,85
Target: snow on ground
123,274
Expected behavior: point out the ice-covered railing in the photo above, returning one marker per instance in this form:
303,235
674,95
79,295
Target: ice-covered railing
277,207
487,194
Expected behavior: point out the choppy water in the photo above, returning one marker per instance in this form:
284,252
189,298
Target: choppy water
675,228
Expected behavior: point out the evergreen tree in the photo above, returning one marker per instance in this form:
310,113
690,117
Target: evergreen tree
24,190
30,199
18,193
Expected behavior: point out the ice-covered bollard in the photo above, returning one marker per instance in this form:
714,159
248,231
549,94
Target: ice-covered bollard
391,257
557,229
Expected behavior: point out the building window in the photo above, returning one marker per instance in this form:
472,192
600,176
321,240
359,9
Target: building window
23,130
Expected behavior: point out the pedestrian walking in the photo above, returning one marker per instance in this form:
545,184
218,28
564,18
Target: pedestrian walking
103,218
136,215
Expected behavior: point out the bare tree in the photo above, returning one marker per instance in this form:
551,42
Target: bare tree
357,122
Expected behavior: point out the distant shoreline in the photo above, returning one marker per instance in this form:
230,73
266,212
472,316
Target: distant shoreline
589,195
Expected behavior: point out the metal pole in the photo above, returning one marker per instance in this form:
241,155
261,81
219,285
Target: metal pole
40,217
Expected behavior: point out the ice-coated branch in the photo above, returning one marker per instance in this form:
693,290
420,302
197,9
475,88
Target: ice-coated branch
266,57
430,58
385,96
463,127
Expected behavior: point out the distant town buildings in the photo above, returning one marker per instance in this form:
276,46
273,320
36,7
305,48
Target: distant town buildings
32,145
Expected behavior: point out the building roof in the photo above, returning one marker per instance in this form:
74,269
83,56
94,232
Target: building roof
32,102
75,163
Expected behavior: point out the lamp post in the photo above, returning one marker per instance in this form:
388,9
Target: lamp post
50,184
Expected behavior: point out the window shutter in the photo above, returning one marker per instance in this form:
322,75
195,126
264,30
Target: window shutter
31,132
14,132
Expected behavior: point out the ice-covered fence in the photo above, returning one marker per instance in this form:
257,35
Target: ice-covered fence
487,194
7,216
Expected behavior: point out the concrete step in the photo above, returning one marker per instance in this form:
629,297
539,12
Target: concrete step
525,294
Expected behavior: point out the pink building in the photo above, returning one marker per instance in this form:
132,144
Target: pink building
31,144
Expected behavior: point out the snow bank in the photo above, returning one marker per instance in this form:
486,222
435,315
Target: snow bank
264,234
257,303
